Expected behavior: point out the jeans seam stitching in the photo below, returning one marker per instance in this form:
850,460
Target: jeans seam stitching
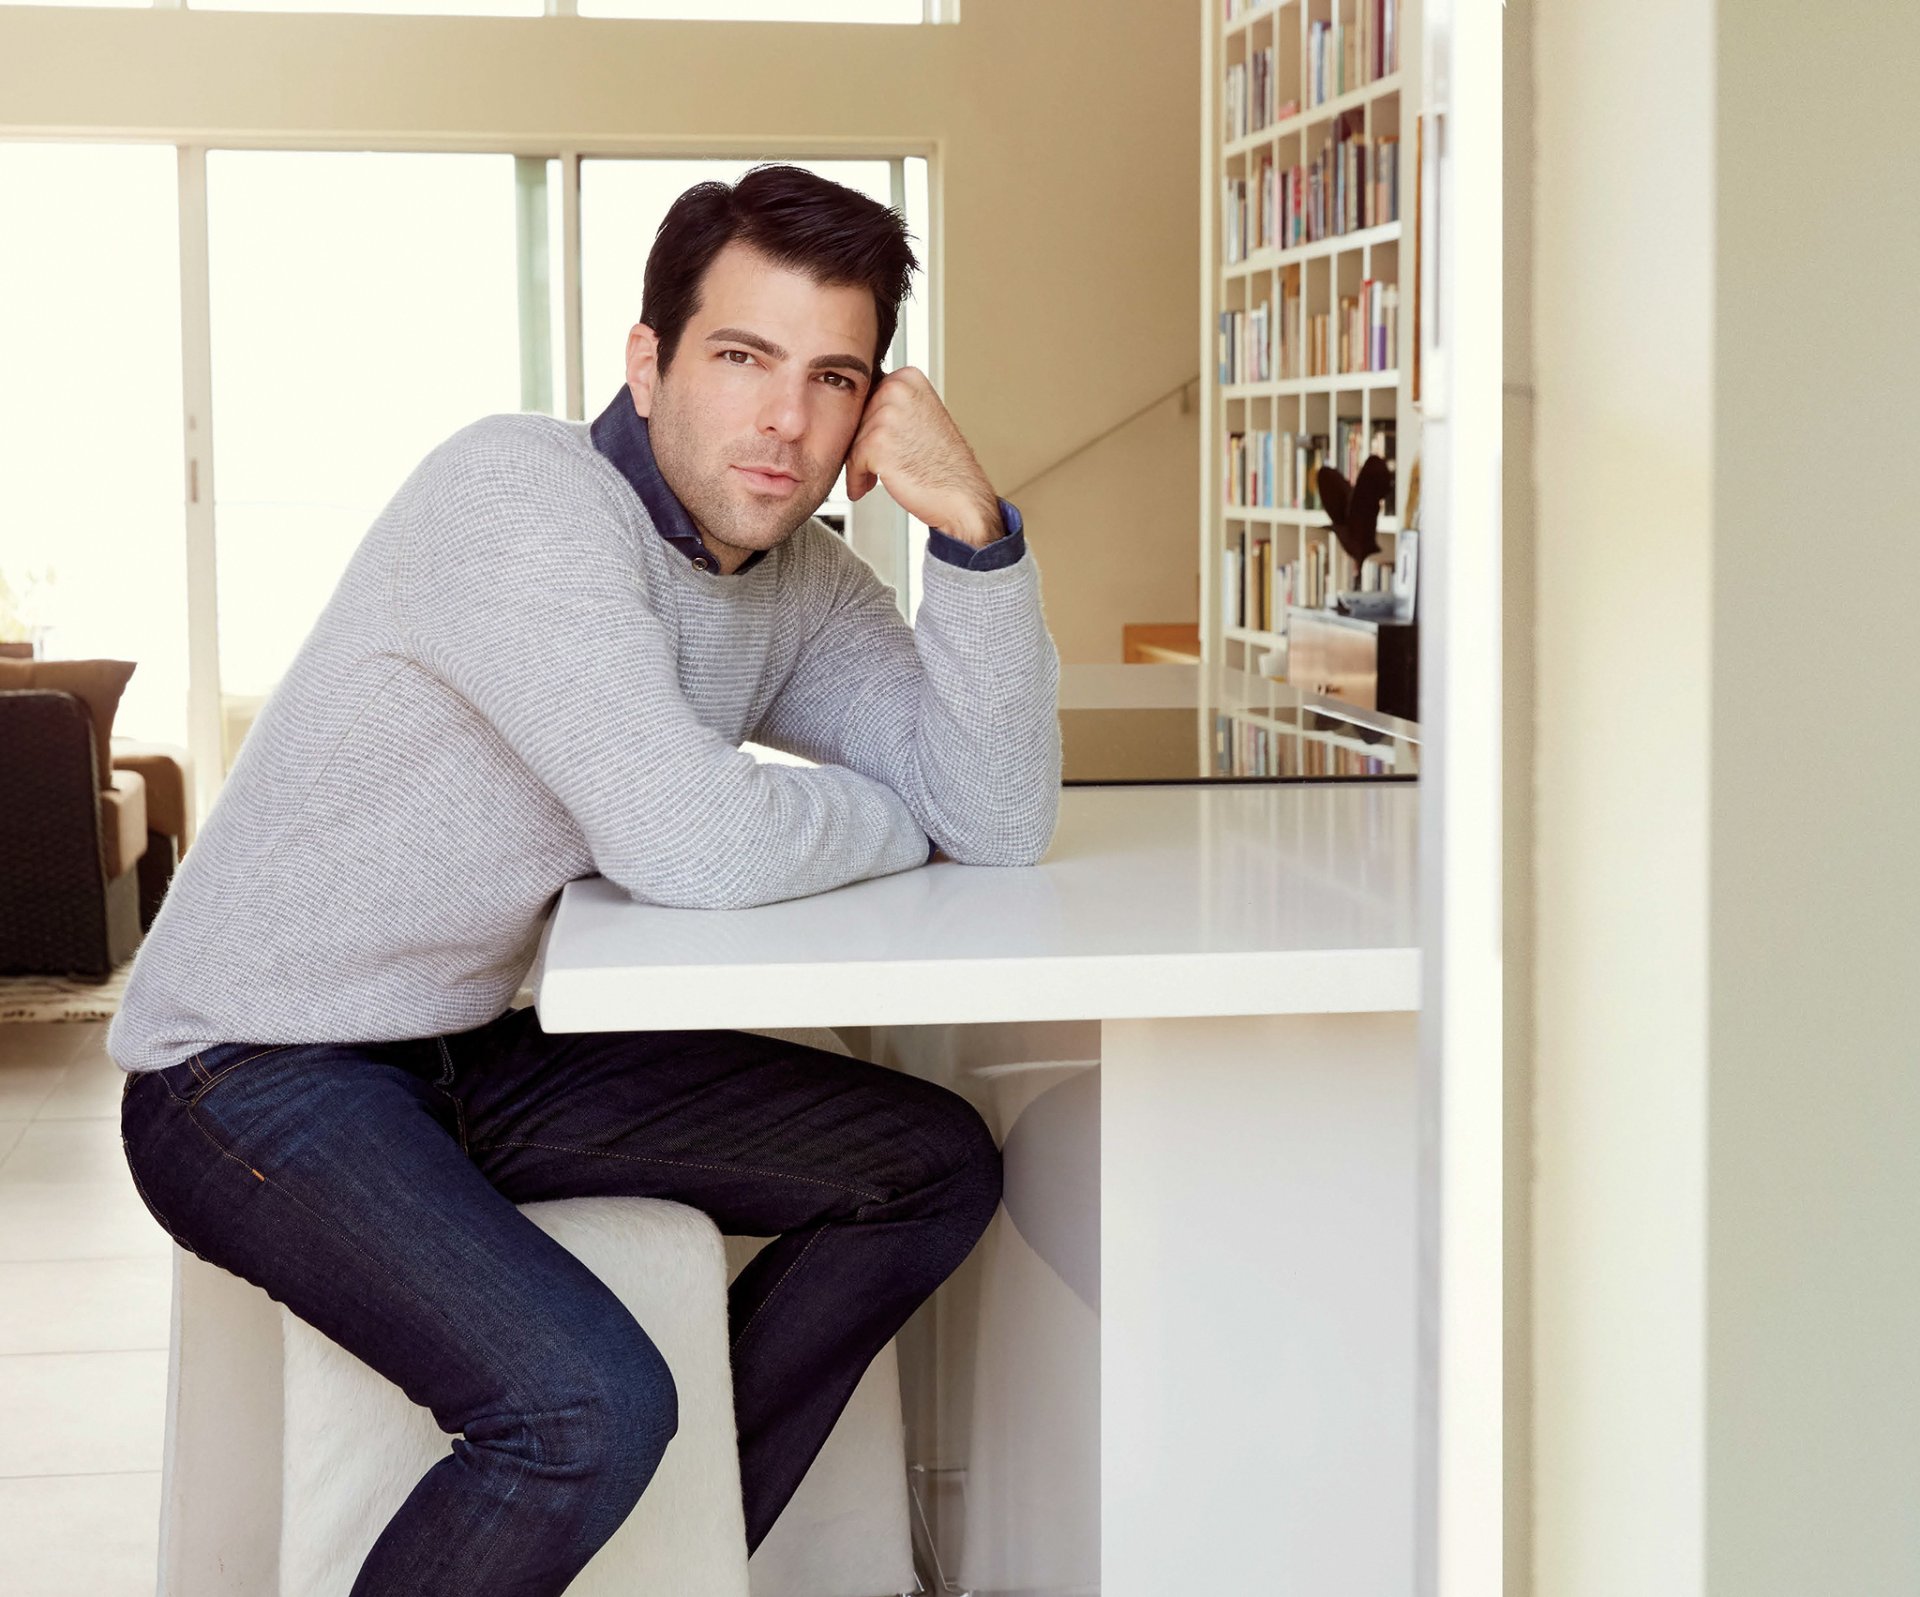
774,1289
444,1086
217,1146
691,1164
345,1237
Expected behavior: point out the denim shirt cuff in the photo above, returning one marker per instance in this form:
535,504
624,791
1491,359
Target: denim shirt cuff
1003,551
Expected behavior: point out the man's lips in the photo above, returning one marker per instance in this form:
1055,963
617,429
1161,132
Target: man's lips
774,481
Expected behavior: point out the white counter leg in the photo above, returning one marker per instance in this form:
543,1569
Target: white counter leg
1258,1334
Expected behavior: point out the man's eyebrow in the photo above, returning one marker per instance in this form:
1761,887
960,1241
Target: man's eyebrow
739,335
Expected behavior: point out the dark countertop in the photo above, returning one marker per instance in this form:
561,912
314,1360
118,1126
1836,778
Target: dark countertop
1278,736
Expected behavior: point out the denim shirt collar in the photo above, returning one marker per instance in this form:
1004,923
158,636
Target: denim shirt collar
620,433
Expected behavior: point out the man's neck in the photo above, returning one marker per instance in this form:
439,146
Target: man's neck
621,434
728,557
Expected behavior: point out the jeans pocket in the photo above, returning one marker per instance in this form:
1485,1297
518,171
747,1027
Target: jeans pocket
211,1066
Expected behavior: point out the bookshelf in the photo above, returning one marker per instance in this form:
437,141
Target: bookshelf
1307,320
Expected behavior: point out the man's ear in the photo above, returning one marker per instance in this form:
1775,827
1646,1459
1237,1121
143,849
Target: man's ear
643,350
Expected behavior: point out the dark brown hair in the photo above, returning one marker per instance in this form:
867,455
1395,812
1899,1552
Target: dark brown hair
796,218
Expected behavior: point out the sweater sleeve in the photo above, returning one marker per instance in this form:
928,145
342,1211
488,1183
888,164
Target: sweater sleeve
958,714
526,602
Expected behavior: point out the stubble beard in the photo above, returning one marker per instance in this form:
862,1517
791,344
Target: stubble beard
715,495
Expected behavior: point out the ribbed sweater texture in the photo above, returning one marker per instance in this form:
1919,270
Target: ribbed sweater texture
518,682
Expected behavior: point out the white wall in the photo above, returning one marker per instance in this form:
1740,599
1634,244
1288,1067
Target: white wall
1727,1329
1516,764
1623,299
1813,1283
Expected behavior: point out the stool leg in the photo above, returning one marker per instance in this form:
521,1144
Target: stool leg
220,1473
926,1557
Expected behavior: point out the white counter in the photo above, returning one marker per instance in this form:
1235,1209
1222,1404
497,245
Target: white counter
1170,901
1183,1357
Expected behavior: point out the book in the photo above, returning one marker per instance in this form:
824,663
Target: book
1262,469
1250,100
1246,345
1343,57
1380,441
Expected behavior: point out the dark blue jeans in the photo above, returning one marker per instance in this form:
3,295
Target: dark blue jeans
371,1187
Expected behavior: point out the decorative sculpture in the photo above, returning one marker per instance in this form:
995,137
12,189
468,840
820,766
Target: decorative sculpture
1355,510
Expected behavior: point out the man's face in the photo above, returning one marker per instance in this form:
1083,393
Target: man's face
771,372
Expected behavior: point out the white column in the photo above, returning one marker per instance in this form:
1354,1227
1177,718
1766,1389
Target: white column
1257,1270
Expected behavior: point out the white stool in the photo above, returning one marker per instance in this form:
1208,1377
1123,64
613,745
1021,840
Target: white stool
285,1455
354,1445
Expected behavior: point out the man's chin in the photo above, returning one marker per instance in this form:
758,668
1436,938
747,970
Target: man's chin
759,539
765,535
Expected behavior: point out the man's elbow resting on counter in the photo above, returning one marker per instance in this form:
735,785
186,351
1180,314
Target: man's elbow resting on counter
1023,855
1003,845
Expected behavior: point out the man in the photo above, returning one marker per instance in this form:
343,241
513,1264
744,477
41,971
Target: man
540,664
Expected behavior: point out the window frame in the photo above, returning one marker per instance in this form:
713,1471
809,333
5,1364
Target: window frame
933,13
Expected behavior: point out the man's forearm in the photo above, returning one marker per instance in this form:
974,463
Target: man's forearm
987,735
958,714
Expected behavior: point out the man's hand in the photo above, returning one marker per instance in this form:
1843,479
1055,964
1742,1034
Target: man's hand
908,441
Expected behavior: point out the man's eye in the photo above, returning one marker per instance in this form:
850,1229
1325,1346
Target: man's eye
841,378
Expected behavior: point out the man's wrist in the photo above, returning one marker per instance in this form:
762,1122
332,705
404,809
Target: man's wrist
976,524
1009,549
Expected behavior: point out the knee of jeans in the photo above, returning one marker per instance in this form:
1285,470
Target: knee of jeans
970,1173
603,1412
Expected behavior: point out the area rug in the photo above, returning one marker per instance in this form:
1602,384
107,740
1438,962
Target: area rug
63,997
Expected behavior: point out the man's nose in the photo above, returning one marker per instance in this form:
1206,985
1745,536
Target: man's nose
784,410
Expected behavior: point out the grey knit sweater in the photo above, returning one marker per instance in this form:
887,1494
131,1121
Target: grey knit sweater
516,683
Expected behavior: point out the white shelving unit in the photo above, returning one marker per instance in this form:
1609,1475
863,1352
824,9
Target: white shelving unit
1282,388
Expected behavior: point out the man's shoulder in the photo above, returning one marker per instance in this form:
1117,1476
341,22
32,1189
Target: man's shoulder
513,445
506,469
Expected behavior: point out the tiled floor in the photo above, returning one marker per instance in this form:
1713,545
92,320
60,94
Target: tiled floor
84,1284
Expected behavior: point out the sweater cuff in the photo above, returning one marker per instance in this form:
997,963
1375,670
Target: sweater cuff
1003,551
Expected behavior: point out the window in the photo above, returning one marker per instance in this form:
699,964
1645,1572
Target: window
92,547
437,8
365,306
762,10
883,11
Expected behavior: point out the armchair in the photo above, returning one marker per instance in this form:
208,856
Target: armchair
71,848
